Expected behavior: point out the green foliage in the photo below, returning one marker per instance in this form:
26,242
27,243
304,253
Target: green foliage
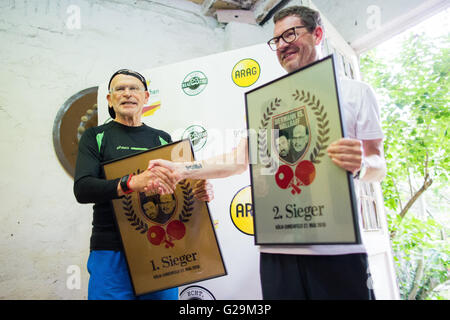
418,243
414,97
415,111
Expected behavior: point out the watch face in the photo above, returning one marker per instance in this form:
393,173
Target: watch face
363,170
362,173
124,183
358,174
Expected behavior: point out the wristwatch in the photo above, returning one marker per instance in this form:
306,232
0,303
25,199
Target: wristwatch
361,172
125,184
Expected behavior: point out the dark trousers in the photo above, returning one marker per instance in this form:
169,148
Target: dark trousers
303,277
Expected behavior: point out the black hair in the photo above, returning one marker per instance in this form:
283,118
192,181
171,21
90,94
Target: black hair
310,18
127,72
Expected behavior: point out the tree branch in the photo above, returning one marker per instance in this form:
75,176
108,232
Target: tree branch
417,277
425,173
426,184
411,192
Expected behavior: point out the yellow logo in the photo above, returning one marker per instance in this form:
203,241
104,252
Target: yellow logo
241,210
245,72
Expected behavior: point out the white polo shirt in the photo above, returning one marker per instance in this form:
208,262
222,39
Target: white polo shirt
362,119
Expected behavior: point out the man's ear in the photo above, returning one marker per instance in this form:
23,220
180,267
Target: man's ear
318,35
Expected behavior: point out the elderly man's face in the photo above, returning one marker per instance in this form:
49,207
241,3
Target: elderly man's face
127,96
302,51
151,209
167,204
299,139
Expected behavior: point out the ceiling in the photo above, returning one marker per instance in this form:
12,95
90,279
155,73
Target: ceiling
363,23
366,23
228,4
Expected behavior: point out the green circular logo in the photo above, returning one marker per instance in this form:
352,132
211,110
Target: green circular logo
194,83
198,136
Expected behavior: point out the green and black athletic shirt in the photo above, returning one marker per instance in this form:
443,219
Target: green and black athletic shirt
104,143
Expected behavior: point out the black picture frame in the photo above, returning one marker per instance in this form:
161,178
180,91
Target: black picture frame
308,98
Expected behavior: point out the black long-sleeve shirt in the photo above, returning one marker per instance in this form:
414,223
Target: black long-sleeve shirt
97,145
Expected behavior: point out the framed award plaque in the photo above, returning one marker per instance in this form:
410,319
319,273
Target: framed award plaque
168,240
299,195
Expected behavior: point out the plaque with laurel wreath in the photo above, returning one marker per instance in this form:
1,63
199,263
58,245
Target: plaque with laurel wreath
299,195
168,240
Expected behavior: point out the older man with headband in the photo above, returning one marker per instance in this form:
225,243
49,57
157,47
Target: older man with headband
125,136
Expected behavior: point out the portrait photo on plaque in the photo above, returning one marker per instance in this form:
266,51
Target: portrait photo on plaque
299,195
168,240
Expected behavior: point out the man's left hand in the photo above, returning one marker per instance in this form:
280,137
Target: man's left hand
203,190
347,154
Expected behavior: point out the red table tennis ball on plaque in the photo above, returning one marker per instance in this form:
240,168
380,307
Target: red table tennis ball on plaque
176,229
284,176
156,235
305,172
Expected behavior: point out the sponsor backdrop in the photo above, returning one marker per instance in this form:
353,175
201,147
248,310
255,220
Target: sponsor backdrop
203,99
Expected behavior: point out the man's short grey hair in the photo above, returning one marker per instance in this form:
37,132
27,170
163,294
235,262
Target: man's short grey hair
310,18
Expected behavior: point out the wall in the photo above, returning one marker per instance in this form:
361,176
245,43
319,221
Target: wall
46,59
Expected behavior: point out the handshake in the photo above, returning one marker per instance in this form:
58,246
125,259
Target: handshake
162,176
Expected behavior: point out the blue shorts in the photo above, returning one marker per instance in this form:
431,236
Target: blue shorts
110,280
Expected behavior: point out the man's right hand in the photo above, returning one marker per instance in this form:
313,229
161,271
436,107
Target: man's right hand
159,180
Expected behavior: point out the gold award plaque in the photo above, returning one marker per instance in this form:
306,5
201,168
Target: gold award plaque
168,240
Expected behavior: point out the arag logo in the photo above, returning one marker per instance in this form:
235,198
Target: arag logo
241,211
246,72
198,136
194,83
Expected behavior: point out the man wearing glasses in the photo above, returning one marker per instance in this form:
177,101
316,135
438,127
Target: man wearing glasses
126,135
321,271
317,271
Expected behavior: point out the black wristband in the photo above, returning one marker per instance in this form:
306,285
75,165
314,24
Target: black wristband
124,184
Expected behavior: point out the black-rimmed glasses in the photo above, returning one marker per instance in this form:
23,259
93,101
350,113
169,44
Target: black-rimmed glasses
288,36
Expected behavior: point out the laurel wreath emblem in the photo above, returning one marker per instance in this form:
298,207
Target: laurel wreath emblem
188,203
141,226
127,206
136,222
264,154
322,123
